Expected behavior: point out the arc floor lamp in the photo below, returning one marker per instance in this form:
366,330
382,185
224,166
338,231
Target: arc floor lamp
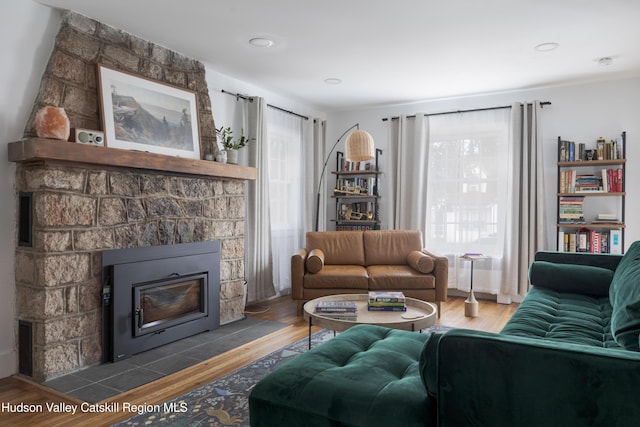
359,147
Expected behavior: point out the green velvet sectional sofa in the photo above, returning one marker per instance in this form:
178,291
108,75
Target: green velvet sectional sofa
569,356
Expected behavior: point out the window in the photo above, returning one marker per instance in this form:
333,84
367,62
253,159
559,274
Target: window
286,190
467,186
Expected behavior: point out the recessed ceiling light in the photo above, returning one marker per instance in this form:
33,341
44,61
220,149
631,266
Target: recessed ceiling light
546,47
607,60
261,42
332,81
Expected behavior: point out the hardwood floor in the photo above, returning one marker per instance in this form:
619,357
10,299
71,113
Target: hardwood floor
17,390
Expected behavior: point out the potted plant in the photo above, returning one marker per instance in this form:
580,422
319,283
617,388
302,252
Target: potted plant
231,145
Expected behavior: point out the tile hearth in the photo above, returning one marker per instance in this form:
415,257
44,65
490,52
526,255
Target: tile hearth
100,382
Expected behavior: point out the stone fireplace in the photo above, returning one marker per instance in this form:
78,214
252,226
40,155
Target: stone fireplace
77,201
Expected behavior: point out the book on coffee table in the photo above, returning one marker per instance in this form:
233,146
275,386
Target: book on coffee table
387,307
378,297
329,306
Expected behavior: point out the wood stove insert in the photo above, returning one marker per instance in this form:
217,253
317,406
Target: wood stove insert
156,295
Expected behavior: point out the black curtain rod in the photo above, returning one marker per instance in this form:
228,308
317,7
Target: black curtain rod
542,104
250,99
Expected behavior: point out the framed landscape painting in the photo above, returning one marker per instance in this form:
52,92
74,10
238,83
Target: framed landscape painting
144,115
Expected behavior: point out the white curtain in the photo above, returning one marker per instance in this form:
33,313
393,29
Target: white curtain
258,265
526,228
466,198
286,192
409,155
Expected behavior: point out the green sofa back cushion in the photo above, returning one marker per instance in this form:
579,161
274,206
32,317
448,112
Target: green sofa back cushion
624,294
571,278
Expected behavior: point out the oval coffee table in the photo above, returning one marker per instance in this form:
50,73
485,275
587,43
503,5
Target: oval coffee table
419,315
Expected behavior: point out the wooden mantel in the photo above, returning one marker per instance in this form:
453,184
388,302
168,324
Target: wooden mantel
43,150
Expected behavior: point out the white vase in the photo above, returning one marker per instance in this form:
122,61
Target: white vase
221,157
232,157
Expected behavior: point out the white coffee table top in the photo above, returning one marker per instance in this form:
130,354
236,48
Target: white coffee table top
419,315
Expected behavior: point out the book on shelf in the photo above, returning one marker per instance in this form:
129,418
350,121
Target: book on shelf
384,296
615,241
571,210
592,241
358,227
360,186
330,306
605,218
608,181
346,166
570,151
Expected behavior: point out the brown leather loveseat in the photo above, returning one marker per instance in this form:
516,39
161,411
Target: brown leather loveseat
342,262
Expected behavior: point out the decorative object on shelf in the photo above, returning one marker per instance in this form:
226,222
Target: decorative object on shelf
360,145
53,123
87,136
231,145
145,115
221,157
594,174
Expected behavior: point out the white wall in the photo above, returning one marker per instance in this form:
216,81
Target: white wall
224,106
27,32
579,112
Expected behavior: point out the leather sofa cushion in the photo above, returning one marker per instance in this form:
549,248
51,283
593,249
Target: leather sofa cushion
338,277
315,261
339,247
392,277
420,261
390,247
624,294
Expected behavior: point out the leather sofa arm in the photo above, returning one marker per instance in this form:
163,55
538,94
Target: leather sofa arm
507,380
297,273
441,273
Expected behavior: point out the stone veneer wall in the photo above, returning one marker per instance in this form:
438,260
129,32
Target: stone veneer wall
79,211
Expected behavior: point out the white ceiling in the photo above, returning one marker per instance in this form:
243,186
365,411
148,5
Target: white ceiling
387,51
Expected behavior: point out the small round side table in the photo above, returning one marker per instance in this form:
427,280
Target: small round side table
471,304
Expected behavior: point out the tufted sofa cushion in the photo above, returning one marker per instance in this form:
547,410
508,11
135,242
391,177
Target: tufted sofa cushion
359,379
563,317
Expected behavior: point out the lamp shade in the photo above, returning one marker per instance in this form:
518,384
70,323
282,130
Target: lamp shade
359,146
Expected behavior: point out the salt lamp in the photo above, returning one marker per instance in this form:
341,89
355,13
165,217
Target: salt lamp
52,122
